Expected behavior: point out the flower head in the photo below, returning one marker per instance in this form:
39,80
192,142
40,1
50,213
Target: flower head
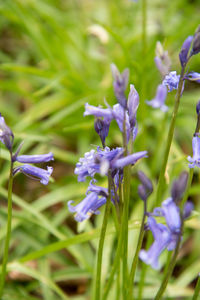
183,55
171,81
6,135
35,172
159,100
195,160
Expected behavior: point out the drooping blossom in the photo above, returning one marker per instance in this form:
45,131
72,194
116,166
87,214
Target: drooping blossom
159,100
35,172
171,81
193,76
195,160
165,236
35,159
6,135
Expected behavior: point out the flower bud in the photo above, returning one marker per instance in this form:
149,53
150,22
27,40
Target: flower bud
142,192
120,84
6,135
183,55
196,42
145,181
102,128
198,107
179,186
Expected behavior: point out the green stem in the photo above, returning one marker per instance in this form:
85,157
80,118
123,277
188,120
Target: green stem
169,139
8,234
174,257
97,291
197,290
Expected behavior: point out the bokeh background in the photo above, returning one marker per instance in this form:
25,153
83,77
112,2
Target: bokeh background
55,56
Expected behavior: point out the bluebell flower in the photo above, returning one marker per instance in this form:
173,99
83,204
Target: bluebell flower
132,105
6,135
183,55
128,160
102,128
120,84
165,237
34,172
171,81
195,160
100,191
88,206
161,236
162,60
196,42
118,113
33,159
106,113
159,100
193,76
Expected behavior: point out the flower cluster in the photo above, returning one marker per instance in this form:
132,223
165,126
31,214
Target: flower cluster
104,160
7,138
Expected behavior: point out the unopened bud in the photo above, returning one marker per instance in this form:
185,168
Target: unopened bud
145,181
6,135
142,192
198,107
196,42
179,186
120,84
102,128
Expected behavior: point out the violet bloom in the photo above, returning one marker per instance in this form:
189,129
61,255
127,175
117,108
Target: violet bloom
193,76
195,160
159,100
118,113
161,239
35,172
6,135
34,159
183,55
120,84
88,206
132,105
171,81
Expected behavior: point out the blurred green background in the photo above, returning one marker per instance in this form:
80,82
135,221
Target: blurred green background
54,57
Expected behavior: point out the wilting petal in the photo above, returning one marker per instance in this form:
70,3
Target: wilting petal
33,159
183,55
161,240
159,100
32,171
171,81
128,160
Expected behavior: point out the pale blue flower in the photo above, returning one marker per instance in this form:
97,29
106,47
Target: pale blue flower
159,100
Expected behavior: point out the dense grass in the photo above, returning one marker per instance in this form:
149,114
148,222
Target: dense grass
50,65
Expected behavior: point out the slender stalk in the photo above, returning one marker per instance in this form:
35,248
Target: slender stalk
197,289
8,233
97,292
169,138
135,259
174,257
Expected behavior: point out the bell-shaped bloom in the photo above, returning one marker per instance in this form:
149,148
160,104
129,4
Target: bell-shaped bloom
98,112
100,191
171,213
35,159
196,42
161,236
88,206
171,81
119,113
128,160
183,55
35,172
102,128
6,135
193,76
195,160
120,82
159,100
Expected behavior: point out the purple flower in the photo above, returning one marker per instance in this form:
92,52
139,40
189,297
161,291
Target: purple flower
193,76
34,159
35,172
195,160
102,129
88,206
118,113
6,135
161,240
171,213
132,105
100,191
128,160
171,81
159,100
196,42
120,84
106,113
183,55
